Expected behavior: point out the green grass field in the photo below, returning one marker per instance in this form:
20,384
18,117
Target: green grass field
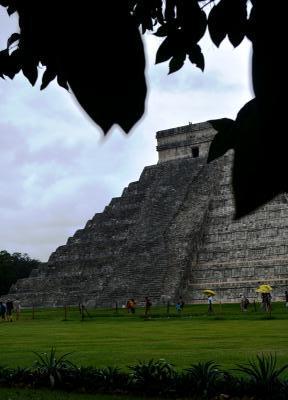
107,338
30,394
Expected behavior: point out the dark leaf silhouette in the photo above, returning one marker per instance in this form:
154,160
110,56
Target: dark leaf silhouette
147,13
30,70
162,30
159,13
11,9
147,24
10,65
221,124
48,76
224,140
228,17
110,84
255,181
165,51
236,37
260,163
192,20
13,38
200,26
62,81
170,10
196,57
217,23
106,76
176,62
236,21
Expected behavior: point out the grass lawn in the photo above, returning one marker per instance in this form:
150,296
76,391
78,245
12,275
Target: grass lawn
106,338
29,394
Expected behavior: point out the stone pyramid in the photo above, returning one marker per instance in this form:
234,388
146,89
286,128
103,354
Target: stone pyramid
171,233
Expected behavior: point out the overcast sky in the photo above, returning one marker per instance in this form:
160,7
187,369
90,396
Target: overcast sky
57,170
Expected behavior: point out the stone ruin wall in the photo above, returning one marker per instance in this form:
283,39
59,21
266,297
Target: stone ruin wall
171,233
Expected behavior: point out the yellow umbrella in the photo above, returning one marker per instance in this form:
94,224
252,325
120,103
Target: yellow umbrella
264,289
209,292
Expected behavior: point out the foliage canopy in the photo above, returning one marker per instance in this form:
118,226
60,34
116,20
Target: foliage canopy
13,267
97,52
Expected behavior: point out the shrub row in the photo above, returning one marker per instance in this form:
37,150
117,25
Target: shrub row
258,379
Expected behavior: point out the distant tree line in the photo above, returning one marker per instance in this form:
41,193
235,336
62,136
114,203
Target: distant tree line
13,267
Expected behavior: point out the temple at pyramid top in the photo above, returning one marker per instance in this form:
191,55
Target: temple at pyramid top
190,140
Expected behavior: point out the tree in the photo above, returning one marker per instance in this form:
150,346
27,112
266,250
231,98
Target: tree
13,267
97,52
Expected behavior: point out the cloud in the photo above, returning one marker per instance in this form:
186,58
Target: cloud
57,169
226,68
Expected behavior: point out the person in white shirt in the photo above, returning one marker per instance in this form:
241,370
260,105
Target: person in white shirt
210,301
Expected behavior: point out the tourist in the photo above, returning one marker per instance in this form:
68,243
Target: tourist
241,302
244,303
263,301
3,311
148,305
17,308
133,306
266,302
210,301
269,304
9,310
286,298
180,305
83,309
129,306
